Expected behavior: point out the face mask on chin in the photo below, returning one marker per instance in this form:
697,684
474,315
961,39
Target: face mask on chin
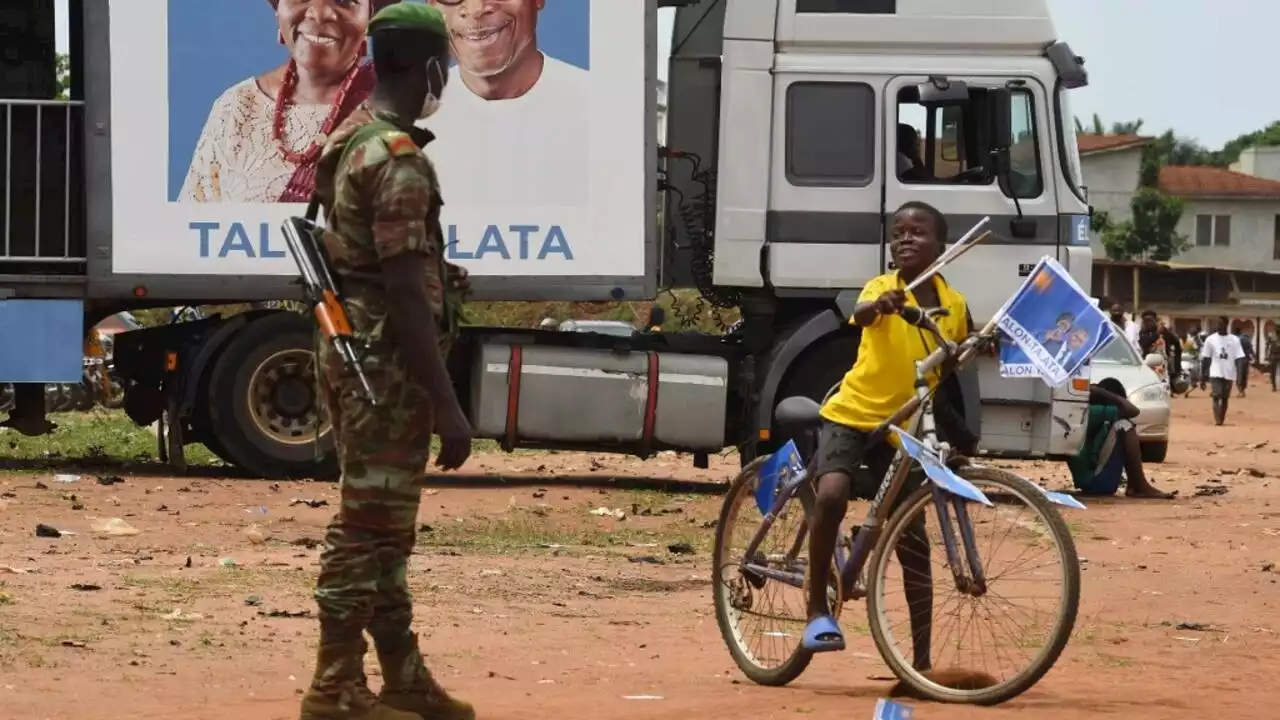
435,81
430,104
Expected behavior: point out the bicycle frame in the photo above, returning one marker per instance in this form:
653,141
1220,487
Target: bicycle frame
850,565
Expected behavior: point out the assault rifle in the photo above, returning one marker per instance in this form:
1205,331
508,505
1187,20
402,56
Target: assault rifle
303,237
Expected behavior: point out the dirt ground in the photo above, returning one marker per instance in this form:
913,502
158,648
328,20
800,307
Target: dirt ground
535,608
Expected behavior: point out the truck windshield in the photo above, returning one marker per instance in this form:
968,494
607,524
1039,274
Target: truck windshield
1070,151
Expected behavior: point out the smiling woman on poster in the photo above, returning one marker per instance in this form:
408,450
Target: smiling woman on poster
515,130
264,134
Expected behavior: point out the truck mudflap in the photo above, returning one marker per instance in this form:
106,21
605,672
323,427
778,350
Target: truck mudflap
644,401
44,341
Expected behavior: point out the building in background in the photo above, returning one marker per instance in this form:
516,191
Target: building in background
1231,216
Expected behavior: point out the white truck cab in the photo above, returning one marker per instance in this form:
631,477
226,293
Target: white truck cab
829,114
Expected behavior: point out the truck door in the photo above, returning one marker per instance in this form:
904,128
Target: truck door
823,226
946,171
943,149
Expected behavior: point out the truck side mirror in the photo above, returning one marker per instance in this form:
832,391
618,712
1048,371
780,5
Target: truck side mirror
940,90
1000,118
997,109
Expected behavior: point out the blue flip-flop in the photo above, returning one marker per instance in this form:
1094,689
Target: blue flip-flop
823,635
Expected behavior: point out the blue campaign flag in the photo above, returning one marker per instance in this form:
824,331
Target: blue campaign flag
889,710
1063,499
782,467
1051,327
937,472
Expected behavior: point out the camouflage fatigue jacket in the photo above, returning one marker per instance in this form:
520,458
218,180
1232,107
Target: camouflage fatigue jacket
381,198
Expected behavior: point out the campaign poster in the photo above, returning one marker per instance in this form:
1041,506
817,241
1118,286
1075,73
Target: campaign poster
219,108
1052,327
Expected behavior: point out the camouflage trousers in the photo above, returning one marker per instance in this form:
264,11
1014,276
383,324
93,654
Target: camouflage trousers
382,452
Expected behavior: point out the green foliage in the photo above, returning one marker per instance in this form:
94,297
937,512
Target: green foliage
1100,221
98,438
1151,234
685,311
1169,149
63,69
1266,137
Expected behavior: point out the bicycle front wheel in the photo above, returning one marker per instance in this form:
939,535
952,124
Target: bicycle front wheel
1021,542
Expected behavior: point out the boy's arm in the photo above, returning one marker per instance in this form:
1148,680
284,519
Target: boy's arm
1102,396
875,300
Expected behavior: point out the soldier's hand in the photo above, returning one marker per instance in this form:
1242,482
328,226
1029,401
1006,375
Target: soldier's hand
455,438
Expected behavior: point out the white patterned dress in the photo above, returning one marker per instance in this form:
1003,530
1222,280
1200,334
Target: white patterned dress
236,160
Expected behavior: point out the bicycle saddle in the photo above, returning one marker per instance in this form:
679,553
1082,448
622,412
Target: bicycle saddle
798,410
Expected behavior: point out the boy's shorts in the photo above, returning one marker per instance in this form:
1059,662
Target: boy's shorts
844,450
1220,387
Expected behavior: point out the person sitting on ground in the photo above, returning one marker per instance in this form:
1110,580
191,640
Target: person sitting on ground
881,381
1111,449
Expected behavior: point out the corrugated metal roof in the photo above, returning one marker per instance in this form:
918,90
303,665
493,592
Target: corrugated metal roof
1180,266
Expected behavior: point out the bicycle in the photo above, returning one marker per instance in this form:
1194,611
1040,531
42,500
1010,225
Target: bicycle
742,581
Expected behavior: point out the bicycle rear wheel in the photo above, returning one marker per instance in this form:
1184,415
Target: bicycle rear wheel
1025,516
762,620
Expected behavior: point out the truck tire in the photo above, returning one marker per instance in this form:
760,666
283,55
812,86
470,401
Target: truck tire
813,376
263,406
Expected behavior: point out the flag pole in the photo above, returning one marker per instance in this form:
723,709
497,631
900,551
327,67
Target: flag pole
962,246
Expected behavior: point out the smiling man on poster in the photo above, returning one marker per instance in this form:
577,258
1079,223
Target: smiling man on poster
518,115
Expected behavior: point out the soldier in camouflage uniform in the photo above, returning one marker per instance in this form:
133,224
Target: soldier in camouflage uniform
384,243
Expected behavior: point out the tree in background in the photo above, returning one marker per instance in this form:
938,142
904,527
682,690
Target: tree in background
1171,149
1151,233
63,69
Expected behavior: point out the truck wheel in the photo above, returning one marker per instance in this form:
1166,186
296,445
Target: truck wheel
812,376
263,406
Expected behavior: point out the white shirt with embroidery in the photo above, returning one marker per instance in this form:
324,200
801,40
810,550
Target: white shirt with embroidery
236,160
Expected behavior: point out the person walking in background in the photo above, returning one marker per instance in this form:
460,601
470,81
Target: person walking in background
1242,374
1154,337
1128,328
1219,363
1273,358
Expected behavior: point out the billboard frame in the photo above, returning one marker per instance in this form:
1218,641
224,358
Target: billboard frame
103,283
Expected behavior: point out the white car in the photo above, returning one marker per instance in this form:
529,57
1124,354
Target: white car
1147,389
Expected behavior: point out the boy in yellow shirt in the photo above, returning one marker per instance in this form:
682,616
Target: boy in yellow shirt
881,381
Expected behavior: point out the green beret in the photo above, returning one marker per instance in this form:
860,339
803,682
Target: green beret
409,16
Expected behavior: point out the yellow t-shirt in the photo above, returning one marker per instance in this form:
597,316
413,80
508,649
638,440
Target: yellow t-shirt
883,377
